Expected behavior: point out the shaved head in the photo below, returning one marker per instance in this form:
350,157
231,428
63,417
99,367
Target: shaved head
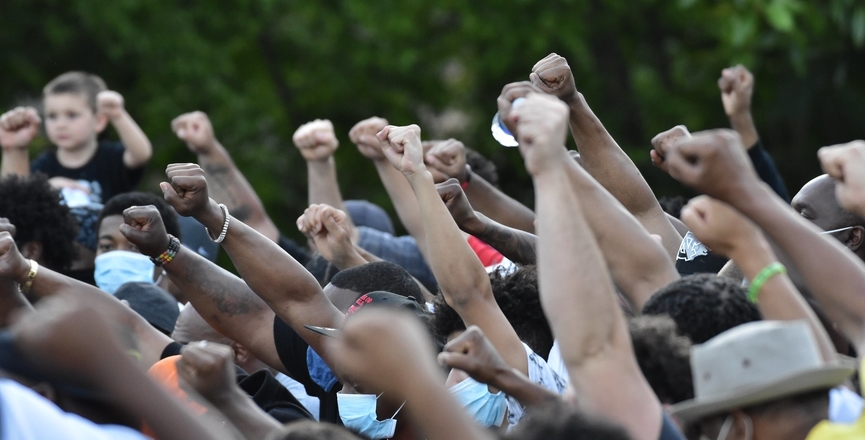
191,327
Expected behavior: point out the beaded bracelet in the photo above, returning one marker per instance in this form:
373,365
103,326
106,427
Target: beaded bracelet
761,279
224,226
169,254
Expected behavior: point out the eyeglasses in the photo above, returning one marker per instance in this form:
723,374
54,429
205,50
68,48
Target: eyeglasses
838,230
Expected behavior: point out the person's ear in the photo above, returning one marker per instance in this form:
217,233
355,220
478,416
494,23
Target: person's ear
32,250
743,426
855,239
101,122
241,354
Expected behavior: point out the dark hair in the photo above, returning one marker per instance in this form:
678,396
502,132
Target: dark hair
703,306
117,204
810,403
673,205
311,430
664,357
482,166
321,269
380,275
561,421
517,296
39,216
82,83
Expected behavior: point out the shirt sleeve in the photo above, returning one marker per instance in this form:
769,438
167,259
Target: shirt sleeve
539,373
402,251
767,171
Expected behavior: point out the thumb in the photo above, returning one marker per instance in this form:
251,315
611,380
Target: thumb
536,79
330,223
169,194
134,235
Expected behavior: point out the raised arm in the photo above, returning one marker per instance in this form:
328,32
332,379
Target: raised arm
227,184
221,298
18,128
286,286
135,142
461,276
716,164
317,143
600,154
728,233
575,287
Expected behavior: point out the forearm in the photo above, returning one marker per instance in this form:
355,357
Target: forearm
323,185
246,416
779,300
744,125
229,186
518,386
516,245
11,302
138,149
404,202
498,206
15,162
613,169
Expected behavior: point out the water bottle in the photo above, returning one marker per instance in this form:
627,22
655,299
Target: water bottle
501,132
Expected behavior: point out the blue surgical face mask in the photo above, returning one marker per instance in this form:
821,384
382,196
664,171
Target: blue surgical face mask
486,408
357,412
115,268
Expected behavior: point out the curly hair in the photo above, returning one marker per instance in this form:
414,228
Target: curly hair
39,216
703,306
517,295
673,205
117,204
380,275
561,421
482,166
664,357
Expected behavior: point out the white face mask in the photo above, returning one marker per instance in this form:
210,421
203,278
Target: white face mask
486,408
357,412
115,268
728,426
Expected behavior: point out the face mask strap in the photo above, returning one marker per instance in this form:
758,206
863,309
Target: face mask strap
397,410
725,428
159,278
838,230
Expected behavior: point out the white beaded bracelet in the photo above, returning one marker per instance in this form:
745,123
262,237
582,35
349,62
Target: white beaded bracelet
224,226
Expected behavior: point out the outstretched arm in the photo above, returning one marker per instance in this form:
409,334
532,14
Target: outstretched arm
227,184
461,276
135,142
601,155
575,288
18,128
317,143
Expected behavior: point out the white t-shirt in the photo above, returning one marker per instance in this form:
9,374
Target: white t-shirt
25,415
311,403
541,374
556,363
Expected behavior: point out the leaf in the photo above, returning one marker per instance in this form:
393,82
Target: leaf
857,28
780,16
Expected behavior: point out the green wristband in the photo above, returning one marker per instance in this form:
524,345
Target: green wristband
761,278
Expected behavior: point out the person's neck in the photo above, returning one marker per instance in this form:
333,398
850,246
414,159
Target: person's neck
77,157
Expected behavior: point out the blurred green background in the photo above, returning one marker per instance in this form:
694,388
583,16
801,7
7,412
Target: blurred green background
260,68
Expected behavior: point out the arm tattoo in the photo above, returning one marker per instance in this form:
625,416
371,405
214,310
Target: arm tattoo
230,302
219,177
518,246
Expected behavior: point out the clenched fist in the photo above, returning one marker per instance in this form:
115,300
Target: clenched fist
208,368
510,93
542,123
737,87
196,130
363,136
455,199
662,142
330,230
402,147
143,227
110,103
447,159
18,127
719,226
846,164
13,266
553,76
316,140
186,189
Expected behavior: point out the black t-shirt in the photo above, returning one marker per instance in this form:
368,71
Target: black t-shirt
291,349
105,173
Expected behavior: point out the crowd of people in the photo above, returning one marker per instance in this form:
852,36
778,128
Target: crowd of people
602,313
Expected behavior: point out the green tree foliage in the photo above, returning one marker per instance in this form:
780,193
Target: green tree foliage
260,68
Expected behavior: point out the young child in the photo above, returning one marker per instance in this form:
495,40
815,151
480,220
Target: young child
78,107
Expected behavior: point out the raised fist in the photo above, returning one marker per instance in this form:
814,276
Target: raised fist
330,230
208,368
13,266
473,353
505,101
402,147
18,127
455,199
186,189
143,227
846,164
553,76
663,141
737,87
713,162
196,130
110,103
542,122
719,226
316,140
447,159
363,136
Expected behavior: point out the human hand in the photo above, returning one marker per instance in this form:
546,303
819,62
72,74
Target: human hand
846,164
316,140
447,159
208,368
720,227
473,353
13,265
143,227
383,350
18,128
402,147
109,103
510,93
455,199
363,135
663,141
196,130
737,87
553,76
714,163
541,122
330,231
186,190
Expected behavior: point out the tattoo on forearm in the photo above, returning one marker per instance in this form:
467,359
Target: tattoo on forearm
224,184
227,300
517,246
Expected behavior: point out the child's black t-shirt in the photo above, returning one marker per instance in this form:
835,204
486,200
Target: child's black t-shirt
105,173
